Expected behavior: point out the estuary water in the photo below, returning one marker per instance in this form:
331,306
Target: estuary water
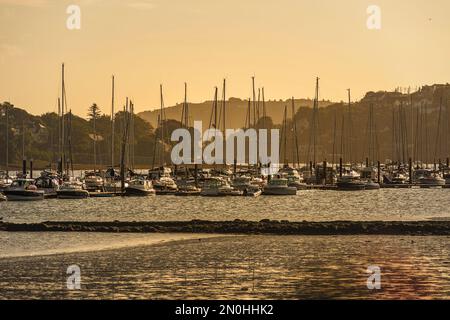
310,205
241,267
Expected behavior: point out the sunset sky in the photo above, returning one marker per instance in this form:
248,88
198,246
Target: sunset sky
285,44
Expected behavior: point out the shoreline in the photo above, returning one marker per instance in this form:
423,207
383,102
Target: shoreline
243,227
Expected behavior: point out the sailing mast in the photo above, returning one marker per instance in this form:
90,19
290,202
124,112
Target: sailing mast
285,136
254,101
350,124
7,139
112,123
437,147
334,138
62,156
264,109
69,140
294,127
314,126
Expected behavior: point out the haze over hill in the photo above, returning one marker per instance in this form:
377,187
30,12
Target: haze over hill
236,111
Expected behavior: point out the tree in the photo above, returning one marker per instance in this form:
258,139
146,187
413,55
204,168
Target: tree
93,114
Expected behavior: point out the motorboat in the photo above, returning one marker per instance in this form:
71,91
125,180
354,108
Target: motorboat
165,185
396,178
5,180
49,183
218,187
253,191
371,185
187,188
241,182
426,178
140,188
279,187
23,189
350,181
72,190
294,181
93,181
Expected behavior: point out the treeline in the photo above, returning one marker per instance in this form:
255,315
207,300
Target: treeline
38,138
382,126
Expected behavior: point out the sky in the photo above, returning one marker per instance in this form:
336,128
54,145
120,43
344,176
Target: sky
285,44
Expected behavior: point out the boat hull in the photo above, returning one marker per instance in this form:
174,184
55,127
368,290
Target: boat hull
81,194
133,192
351,186
289,191
24,195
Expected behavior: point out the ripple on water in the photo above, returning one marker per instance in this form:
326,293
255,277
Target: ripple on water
243,267
312,205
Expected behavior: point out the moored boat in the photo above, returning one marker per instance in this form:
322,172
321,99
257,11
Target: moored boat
139,188
426,178
351,181
279,187
72,190
165,186
23,190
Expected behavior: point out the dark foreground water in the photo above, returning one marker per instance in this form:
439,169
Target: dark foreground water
239,267
311,205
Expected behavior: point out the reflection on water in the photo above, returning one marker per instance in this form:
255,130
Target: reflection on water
242,267
312,205
21,244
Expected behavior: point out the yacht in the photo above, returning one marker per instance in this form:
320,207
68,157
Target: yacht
140,188
351,180
165,185
72,190
426,178
93,181
241,182
218,187
49,183
279,187
187,188
5,180
253,191
23,190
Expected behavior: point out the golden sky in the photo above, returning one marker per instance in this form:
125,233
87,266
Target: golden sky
284,43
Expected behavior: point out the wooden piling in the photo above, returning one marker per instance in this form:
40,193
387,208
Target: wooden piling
379,172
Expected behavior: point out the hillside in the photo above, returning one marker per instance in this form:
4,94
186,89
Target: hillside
404,125
236,116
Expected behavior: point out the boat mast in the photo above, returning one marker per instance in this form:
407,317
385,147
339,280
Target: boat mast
285,136
350,124
294,127
161,125
437,147
264,109
334,138
112,122
254,101
69,138
62,156
7,139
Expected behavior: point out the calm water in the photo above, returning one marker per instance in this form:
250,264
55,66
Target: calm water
312,205
241,267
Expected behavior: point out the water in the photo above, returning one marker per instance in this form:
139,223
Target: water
311,205
23,244
241,267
